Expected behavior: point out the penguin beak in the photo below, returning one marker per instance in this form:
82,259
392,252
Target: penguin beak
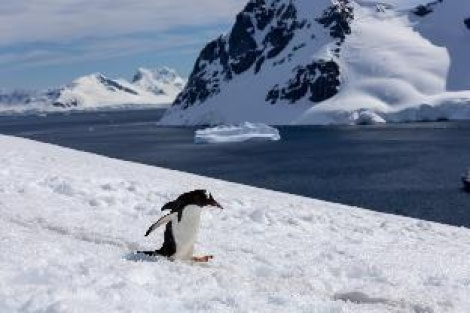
216,204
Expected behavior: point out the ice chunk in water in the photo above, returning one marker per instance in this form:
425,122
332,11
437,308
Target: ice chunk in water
236,133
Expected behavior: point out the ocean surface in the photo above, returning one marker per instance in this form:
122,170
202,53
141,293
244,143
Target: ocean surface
408,169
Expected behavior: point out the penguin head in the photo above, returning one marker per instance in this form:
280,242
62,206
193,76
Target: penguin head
198,197
204,198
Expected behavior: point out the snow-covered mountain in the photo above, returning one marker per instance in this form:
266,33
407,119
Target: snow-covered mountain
98,90
150,88
323,61
164,81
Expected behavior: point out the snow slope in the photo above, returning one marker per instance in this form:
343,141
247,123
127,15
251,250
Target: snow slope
321,62
149,88
69,221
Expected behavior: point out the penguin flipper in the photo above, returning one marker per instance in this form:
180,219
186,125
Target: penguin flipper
162,221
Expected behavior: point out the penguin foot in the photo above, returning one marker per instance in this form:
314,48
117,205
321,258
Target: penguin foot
202,259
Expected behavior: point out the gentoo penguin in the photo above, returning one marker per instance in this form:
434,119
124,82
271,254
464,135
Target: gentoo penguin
182,225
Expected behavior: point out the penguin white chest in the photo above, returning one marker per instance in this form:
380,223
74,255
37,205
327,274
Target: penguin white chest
185,231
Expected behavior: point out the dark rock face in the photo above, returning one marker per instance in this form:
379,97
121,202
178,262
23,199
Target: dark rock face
337,19
70,104
200,86
262,14
467,22
422,10
262,31
283,31
318,80
225,57
425,9
113,86
242,48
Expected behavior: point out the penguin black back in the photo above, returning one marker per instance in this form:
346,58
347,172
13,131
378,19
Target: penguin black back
199,197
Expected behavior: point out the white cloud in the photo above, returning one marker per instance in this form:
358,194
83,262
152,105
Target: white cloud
102,49
59,32
28,21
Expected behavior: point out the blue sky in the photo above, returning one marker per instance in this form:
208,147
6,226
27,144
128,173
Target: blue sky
50,42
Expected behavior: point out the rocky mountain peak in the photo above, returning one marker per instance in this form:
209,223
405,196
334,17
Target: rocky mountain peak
305,61
262,32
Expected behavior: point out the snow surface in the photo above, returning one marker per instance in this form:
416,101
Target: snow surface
392,63
149,89
70,220
236,133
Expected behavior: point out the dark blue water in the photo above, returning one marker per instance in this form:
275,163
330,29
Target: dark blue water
411,169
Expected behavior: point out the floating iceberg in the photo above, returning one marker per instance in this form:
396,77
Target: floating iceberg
366,117
236,133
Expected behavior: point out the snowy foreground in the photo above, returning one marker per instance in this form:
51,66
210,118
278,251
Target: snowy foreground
69,222
237,133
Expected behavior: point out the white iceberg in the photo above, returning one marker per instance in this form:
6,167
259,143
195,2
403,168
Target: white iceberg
236,133
366,117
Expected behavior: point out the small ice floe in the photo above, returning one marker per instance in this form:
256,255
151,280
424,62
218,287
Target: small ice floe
236,133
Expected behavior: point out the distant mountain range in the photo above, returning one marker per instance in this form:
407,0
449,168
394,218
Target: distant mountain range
329,61
149,88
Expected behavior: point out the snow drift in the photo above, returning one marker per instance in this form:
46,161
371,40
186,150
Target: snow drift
236,133
317,62
70,220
